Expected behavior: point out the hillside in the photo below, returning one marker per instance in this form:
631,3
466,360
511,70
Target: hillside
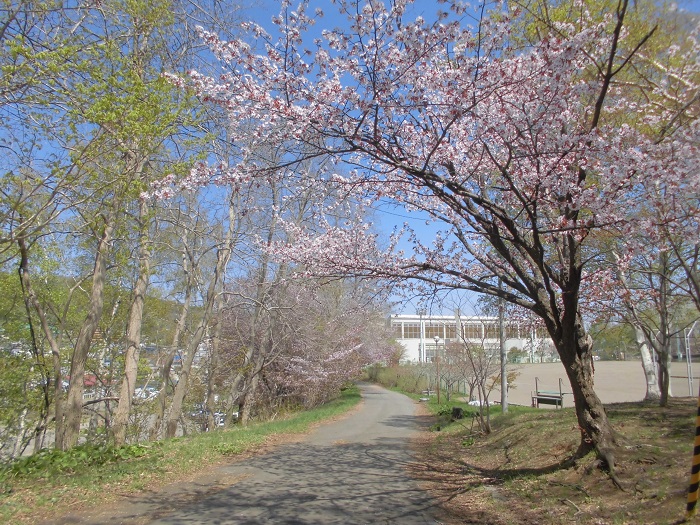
511,476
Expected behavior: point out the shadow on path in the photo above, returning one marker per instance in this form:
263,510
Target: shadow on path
298,484
353,471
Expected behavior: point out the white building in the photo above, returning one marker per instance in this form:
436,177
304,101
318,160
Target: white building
418,333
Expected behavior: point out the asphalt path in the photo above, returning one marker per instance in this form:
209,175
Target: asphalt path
351,471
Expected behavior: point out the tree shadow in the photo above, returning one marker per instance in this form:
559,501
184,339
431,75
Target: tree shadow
296,483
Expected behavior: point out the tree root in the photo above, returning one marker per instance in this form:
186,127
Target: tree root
605,461
578,510
606,457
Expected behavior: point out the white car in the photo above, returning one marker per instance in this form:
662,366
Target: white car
145,393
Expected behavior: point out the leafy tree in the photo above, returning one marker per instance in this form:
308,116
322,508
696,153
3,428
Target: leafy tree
609,338
84,83
658,311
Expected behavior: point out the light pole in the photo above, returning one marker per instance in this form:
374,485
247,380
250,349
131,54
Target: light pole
504,353
437,366
688,359
421,344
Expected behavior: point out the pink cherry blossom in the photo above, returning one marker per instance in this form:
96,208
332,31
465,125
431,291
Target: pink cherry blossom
516,152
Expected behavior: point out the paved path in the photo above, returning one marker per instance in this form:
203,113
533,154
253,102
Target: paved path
351,471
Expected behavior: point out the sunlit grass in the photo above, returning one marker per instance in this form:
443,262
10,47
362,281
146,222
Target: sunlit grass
32,496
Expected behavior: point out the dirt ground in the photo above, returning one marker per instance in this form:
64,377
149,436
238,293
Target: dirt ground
615,381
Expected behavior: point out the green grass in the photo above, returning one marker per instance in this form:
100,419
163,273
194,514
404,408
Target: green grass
443,412
33,489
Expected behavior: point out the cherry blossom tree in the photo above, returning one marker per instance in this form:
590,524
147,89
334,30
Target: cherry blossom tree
277,337
508,148
302,345
342,330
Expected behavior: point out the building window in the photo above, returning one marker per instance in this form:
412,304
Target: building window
411,330
491,330
431,331
512,331
430,353
472,331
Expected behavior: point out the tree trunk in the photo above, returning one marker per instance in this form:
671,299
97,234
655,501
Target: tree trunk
32,301
211,394
133,333
166,367
17,447
575,350
484,409
223,255
664,336
649,366
664,375
251,391
68,430
175,409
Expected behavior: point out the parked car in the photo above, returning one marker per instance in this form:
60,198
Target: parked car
201,415
146,393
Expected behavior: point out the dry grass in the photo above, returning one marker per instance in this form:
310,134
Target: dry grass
513,475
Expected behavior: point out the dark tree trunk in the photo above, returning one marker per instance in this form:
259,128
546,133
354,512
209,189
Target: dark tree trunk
596,433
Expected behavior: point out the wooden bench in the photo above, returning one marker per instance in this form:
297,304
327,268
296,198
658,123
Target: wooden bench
425,394
547,397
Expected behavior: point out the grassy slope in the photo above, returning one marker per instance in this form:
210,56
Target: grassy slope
63,484
511,477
